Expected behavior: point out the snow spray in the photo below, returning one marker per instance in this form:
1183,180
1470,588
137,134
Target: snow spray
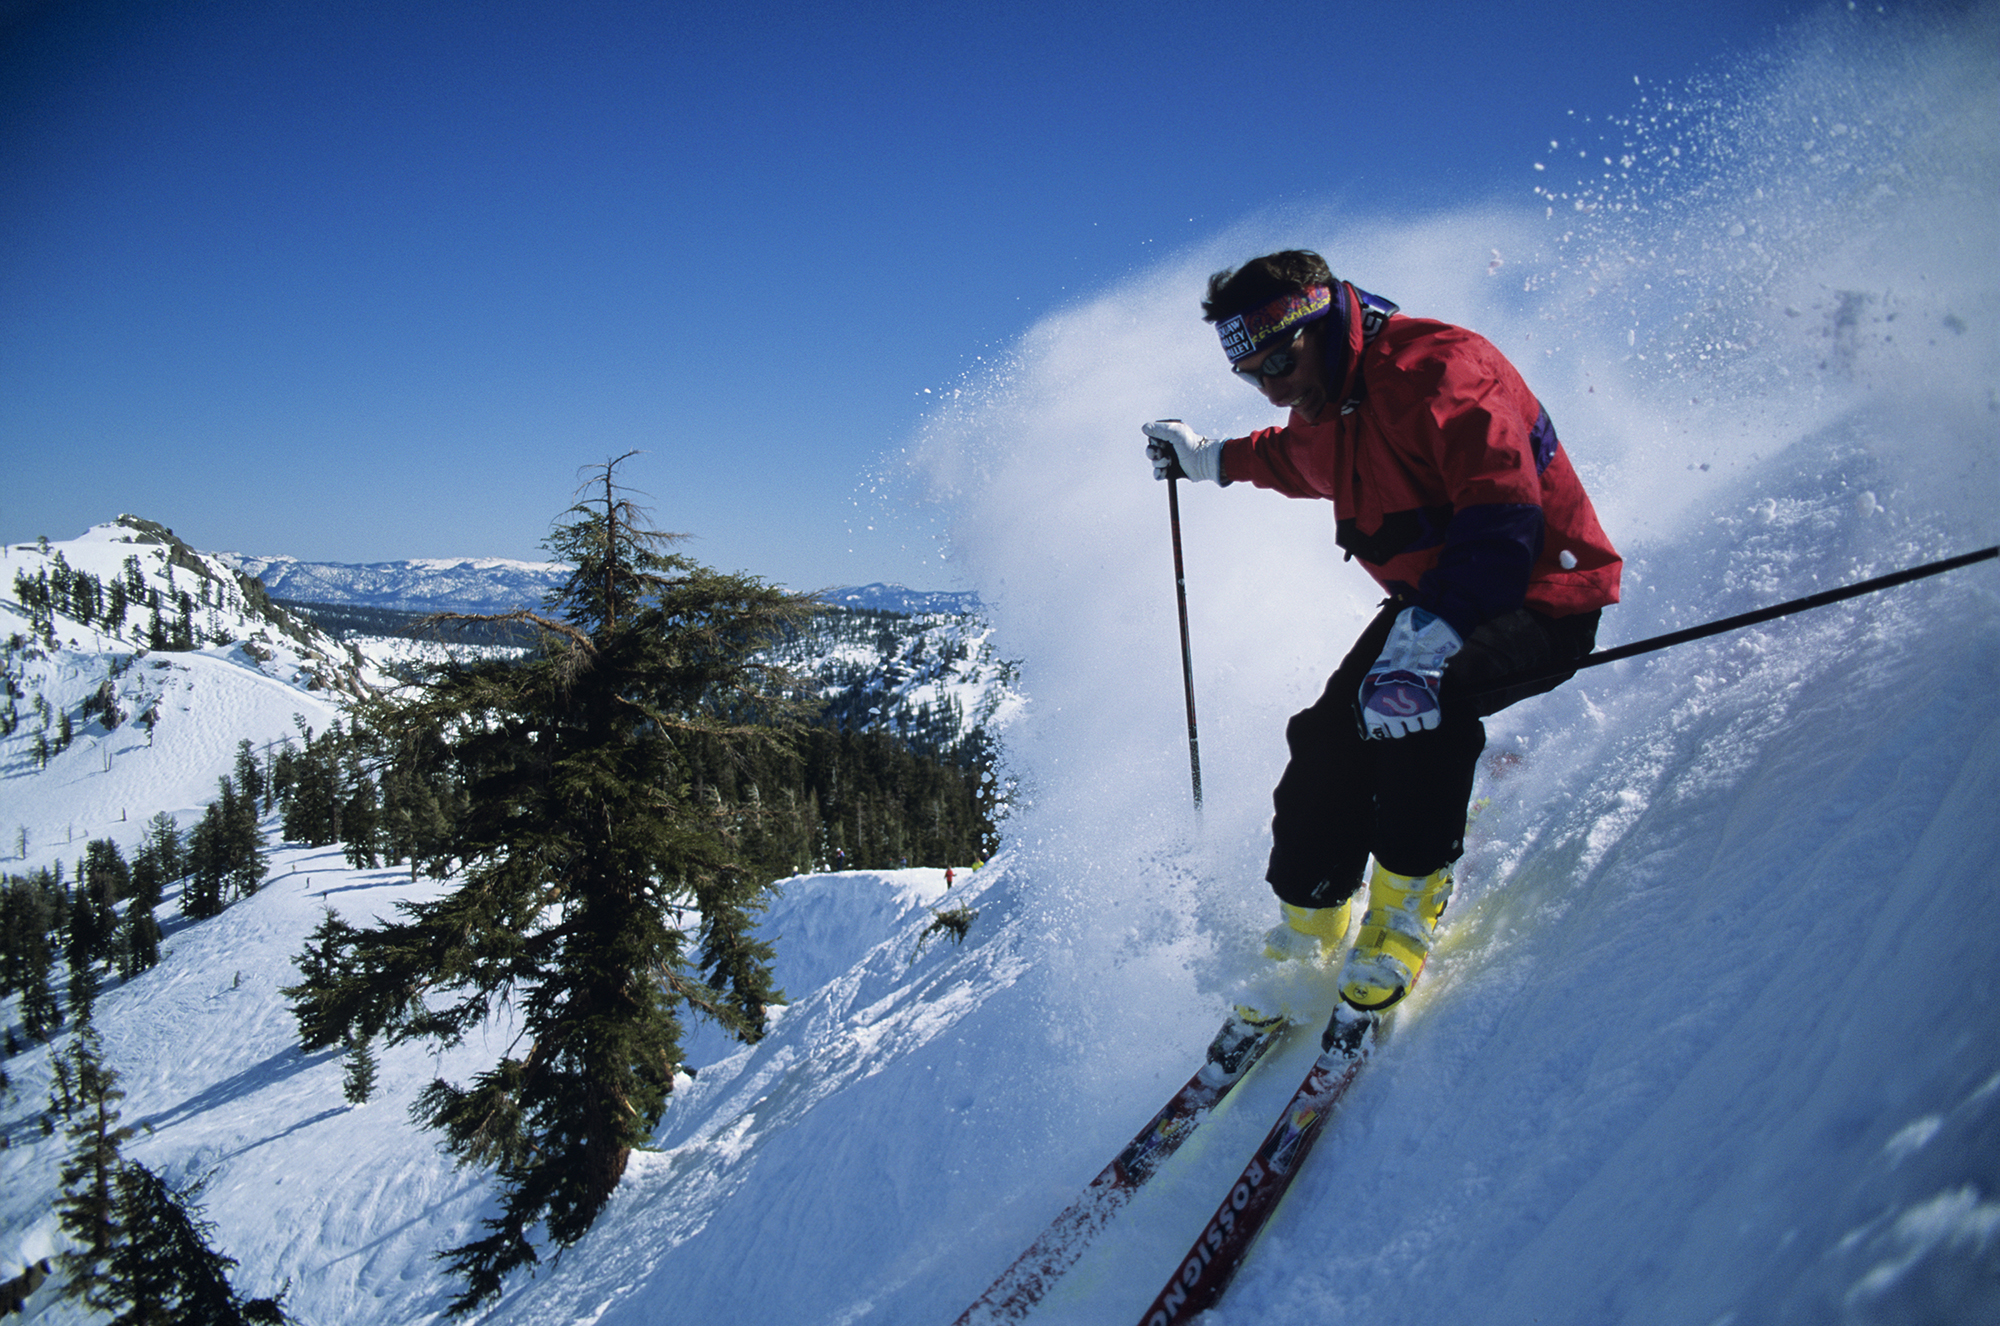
1763,305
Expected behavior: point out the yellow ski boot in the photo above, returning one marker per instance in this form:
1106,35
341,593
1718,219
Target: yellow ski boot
1299,945
1396,936
1307,932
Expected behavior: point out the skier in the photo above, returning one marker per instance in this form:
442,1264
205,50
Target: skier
1449,484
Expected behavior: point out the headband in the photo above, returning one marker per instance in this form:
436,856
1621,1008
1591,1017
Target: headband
1247,333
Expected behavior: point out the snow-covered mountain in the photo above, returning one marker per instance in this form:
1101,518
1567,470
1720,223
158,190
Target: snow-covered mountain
134,667
457,584
498,584
932,677
879,597
113,636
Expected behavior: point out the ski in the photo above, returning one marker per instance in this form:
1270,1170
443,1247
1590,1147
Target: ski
1217,1254
1235,1049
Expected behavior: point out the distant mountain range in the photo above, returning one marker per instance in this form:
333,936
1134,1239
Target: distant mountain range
83,611
497,584
462,584
915,602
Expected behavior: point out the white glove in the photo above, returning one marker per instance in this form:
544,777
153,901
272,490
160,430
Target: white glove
1400,693
1178,452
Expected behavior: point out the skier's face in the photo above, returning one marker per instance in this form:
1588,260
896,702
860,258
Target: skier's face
1303,388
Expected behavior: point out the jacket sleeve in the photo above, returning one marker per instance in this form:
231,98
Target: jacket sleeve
1281,459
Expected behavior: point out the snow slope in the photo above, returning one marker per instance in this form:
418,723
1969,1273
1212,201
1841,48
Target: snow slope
257,687
1710,1037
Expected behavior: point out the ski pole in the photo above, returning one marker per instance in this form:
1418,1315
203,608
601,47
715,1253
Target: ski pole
1187,653
1743,619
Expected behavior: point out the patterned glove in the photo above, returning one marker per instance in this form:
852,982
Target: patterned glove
1400,693
1178,452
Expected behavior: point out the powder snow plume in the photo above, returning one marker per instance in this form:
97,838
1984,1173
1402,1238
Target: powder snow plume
1798,250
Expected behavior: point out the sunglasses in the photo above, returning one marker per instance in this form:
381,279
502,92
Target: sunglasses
1277,364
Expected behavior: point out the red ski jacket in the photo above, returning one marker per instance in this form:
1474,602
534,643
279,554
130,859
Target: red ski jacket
1445,473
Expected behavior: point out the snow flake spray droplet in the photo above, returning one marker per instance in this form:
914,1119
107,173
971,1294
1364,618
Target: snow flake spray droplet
1685,306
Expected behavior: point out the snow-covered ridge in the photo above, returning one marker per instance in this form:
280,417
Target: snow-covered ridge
916,662
456,584
134,667
123,641
500,584
880,597
131,584
932,678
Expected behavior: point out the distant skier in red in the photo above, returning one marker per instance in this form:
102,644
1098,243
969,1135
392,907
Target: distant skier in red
1449,484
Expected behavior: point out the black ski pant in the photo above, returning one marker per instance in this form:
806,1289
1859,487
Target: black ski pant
1402,800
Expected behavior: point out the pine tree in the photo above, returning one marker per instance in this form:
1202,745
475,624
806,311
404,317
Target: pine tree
156,861
242,841
322,1020
207,866
312,798
83,982
225,854
92,923
138,945
284,772
358,1083
31,911
249,774
361,819
41,1016
182,632
24,927
583,838
161,857
165,1269
105,873
88,1205
142,1271
419,803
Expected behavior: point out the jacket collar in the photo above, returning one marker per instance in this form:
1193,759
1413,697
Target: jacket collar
1364,316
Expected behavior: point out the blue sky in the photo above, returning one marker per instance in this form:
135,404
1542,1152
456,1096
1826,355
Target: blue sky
364,281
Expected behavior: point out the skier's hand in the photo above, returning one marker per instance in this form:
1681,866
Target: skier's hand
1178,452
1400,693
